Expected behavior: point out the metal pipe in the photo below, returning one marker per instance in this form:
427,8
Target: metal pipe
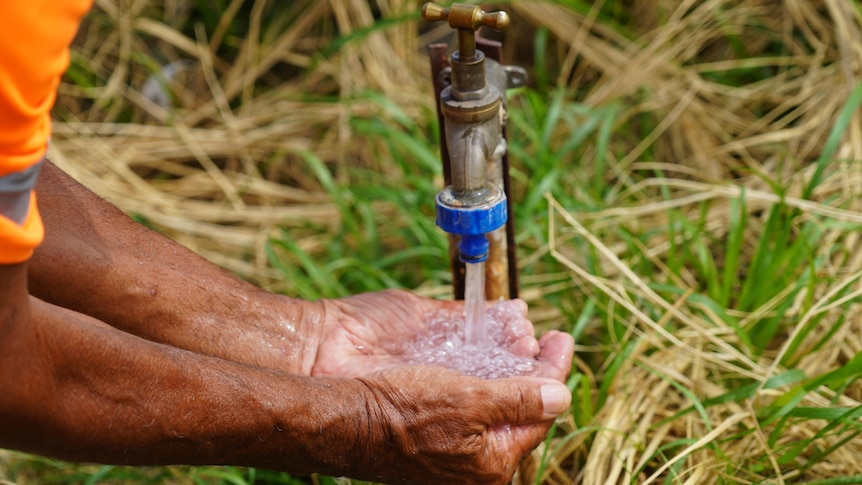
474,206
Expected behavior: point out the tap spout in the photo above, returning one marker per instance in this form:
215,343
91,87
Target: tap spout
472,222
472,205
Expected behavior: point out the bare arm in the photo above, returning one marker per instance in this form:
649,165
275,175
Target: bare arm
97,261
78,389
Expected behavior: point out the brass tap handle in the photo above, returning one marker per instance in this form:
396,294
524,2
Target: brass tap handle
467,19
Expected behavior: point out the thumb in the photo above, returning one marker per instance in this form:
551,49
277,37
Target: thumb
526,400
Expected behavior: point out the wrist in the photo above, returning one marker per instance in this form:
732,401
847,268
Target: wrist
333,426
295,329
369,453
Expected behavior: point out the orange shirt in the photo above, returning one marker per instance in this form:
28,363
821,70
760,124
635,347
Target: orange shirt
34,53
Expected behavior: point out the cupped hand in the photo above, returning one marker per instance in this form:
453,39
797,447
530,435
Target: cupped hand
356,331
432,425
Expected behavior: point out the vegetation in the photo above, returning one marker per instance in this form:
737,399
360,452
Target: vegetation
686,181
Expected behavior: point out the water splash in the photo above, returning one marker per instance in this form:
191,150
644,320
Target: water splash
444,343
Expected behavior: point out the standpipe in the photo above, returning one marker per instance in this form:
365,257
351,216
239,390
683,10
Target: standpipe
474,206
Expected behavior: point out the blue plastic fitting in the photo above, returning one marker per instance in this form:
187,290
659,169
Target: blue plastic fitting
472,224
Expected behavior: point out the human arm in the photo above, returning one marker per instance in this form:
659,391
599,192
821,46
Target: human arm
97,261
77,389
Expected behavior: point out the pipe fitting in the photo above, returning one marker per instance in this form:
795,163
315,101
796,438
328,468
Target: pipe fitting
471,216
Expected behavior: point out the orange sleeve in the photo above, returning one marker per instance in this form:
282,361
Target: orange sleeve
34,53
18,242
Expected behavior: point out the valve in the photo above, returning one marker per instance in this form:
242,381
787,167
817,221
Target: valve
466,19
471,206
468,63
462,16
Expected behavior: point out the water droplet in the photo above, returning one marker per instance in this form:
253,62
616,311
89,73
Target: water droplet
445,344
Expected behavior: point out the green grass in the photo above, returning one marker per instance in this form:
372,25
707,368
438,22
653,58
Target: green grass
716,317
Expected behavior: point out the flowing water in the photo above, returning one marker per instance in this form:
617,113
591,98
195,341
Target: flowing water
444,343
475,332
475,342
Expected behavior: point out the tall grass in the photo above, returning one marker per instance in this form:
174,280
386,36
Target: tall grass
685,182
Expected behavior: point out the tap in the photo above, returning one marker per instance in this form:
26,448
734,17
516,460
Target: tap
474,204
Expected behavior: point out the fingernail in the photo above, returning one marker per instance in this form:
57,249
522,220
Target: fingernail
555,399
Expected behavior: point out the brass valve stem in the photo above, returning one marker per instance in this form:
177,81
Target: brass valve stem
467,19
468,64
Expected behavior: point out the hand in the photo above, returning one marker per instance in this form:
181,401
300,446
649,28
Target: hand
432,425
357,328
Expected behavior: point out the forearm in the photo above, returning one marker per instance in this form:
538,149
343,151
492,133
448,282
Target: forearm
79,390
99,262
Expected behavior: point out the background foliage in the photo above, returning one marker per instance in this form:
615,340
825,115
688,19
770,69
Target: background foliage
687,179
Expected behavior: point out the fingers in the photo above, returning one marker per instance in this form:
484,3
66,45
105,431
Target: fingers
555,356
487,425
514,309
529,400
519,305
518,330
556,399
526,346
527,407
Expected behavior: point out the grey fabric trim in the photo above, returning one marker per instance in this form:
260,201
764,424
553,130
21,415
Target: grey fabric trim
15,191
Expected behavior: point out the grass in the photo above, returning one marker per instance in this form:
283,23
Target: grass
686,178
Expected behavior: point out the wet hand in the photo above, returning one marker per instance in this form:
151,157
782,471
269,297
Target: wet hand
432,425
356,330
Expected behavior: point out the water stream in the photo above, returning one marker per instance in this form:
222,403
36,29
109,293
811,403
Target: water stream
475,332
475,342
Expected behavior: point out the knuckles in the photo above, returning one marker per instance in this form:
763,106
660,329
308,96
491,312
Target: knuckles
438,425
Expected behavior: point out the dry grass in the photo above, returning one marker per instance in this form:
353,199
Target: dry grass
225,167
726,140
703,356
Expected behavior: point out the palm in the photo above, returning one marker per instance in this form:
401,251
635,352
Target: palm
355,328
359,330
